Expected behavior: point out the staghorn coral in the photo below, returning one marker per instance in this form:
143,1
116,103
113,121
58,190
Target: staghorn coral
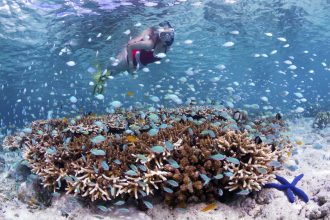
322,120
11,142
187,154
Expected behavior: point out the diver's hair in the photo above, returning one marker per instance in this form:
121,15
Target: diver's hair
165,24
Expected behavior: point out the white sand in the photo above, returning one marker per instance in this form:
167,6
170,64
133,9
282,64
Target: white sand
268,204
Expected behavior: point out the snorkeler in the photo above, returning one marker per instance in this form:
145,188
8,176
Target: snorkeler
149,47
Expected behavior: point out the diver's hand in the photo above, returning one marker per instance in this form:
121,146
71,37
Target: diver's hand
131,42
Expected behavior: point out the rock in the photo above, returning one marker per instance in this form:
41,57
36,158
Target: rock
321,200
11,143
291,165
263,197
248,205
22,171
2,164
317,214
34,194
69,205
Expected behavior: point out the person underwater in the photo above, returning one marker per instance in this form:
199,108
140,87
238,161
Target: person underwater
149,47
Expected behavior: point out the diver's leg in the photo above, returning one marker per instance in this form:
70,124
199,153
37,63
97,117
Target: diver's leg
120,64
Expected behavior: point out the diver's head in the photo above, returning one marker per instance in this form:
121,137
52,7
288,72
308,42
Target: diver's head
166,33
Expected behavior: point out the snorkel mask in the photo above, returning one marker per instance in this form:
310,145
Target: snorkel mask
166,36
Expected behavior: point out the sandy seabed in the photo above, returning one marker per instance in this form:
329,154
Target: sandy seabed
312,158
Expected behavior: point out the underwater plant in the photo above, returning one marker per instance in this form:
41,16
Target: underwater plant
185,154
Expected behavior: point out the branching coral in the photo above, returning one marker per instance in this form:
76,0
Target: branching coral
322,120
187,154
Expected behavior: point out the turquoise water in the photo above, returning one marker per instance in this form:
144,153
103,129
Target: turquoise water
259,73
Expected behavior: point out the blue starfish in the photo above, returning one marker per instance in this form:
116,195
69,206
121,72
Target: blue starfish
289,188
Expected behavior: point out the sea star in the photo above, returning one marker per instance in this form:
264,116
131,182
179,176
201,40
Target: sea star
289,188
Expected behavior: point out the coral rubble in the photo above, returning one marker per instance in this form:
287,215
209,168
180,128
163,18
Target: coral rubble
185,154
322,120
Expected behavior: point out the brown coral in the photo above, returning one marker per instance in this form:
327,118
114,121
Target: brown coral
93,157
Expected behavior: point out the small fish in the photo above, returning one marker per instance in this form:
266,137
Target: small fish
157,149
299,142
143,168
257,140
83,158
191,133
131,138
218,157
275,164
173,183
71,63
233,160
143,194
228,44
142,157
130,94
102,208
209,207
131,173
229,174
205,178
120,202
98,139
123,210
148,204
168,145
153,132
51,150
278,116
218,176
117,161
243,192
153,117
168,190
220,192
104,165
262,170
281,39
98,152
133,167
237,116
173,163
56,194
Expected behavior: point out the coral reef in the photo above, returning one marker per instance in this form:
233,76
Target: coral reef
322,120
11,142
186,154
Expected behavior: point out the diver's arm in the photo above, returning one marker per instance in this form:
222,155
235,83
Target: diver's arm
141,36
142,45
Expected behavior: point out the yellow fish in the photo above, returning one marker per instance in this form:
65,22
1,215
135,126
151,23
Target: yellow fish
65,120
299,142
131,138
130,94
289,154
209,207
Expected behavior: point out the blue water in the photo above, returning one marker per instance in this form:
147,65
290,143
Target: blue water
36,82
